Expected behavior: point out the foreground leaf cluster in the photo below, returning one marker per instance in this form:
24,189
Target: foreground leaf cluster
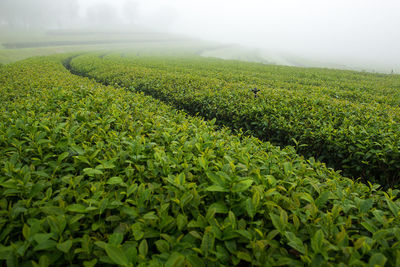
95,175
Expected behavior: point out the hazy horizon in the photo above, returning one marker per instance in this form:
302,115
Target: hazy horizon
353,33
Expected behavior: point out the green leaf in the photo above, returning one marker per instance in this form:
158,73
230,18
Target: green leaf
91,263
317,241
216,188
295,242
242,186
115,181
318,261
231,246
100,244
150,216
305,196
287,167
232,219
195,261
222,253
207,242
377,260
131,253
82,159
219,207
181,221
368,224
276,221
245,234
116,254
107,165
175,260
116,239
251,211
366,205
59,127
393,207
44,261
203,163
78,149
92,172
244,256
26,231
46,245
78,208
162,246
195,234
63,156
137,231
65,246
217,179
41,237
143,248
52,210
322,199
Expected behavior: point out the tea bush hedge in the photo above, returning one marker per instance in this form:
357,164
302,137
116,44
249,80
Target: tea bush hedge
359,138
94,175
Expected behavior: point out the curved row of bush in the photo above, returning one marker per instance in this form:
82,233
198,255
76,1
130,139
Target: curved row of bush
360,139
359,87
95,175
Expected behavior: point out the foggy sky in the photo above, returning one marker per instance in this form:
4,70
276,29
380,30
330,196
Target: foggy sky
340,31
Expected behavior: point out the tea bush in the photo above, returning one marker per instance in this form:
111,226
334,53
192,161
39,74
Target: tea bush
97,175
360,138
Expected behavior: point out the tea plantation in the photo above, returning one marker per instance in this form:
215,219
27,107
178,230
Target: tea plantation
97,175
349,120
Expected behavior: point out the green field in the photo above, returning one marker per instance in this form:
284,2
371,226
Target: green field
348,120
150,155
19,45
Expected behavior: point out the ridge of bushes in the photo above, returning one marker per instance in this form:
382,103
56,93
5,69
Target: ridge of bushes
361,139
97,175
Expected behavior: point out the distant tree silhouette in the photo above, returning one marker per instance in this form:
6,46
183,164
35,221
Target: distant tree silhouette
28,14
130,11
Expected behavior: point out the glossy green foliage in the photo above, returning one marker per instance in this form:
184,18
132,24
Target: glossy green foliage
95,175
348,120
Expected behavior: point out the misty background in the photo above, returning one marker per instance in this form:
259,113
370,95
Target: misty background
360,34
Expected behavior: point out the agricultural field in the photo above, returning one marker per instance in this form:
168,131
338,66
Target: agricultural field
131,160
18,45
349,120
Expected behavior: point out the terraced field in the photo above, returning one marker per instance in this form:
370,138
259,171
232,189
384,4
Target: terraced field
95,174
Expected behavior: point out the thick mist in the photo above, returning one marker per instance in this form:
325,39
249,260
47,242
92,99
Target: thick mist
360,33
357,33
